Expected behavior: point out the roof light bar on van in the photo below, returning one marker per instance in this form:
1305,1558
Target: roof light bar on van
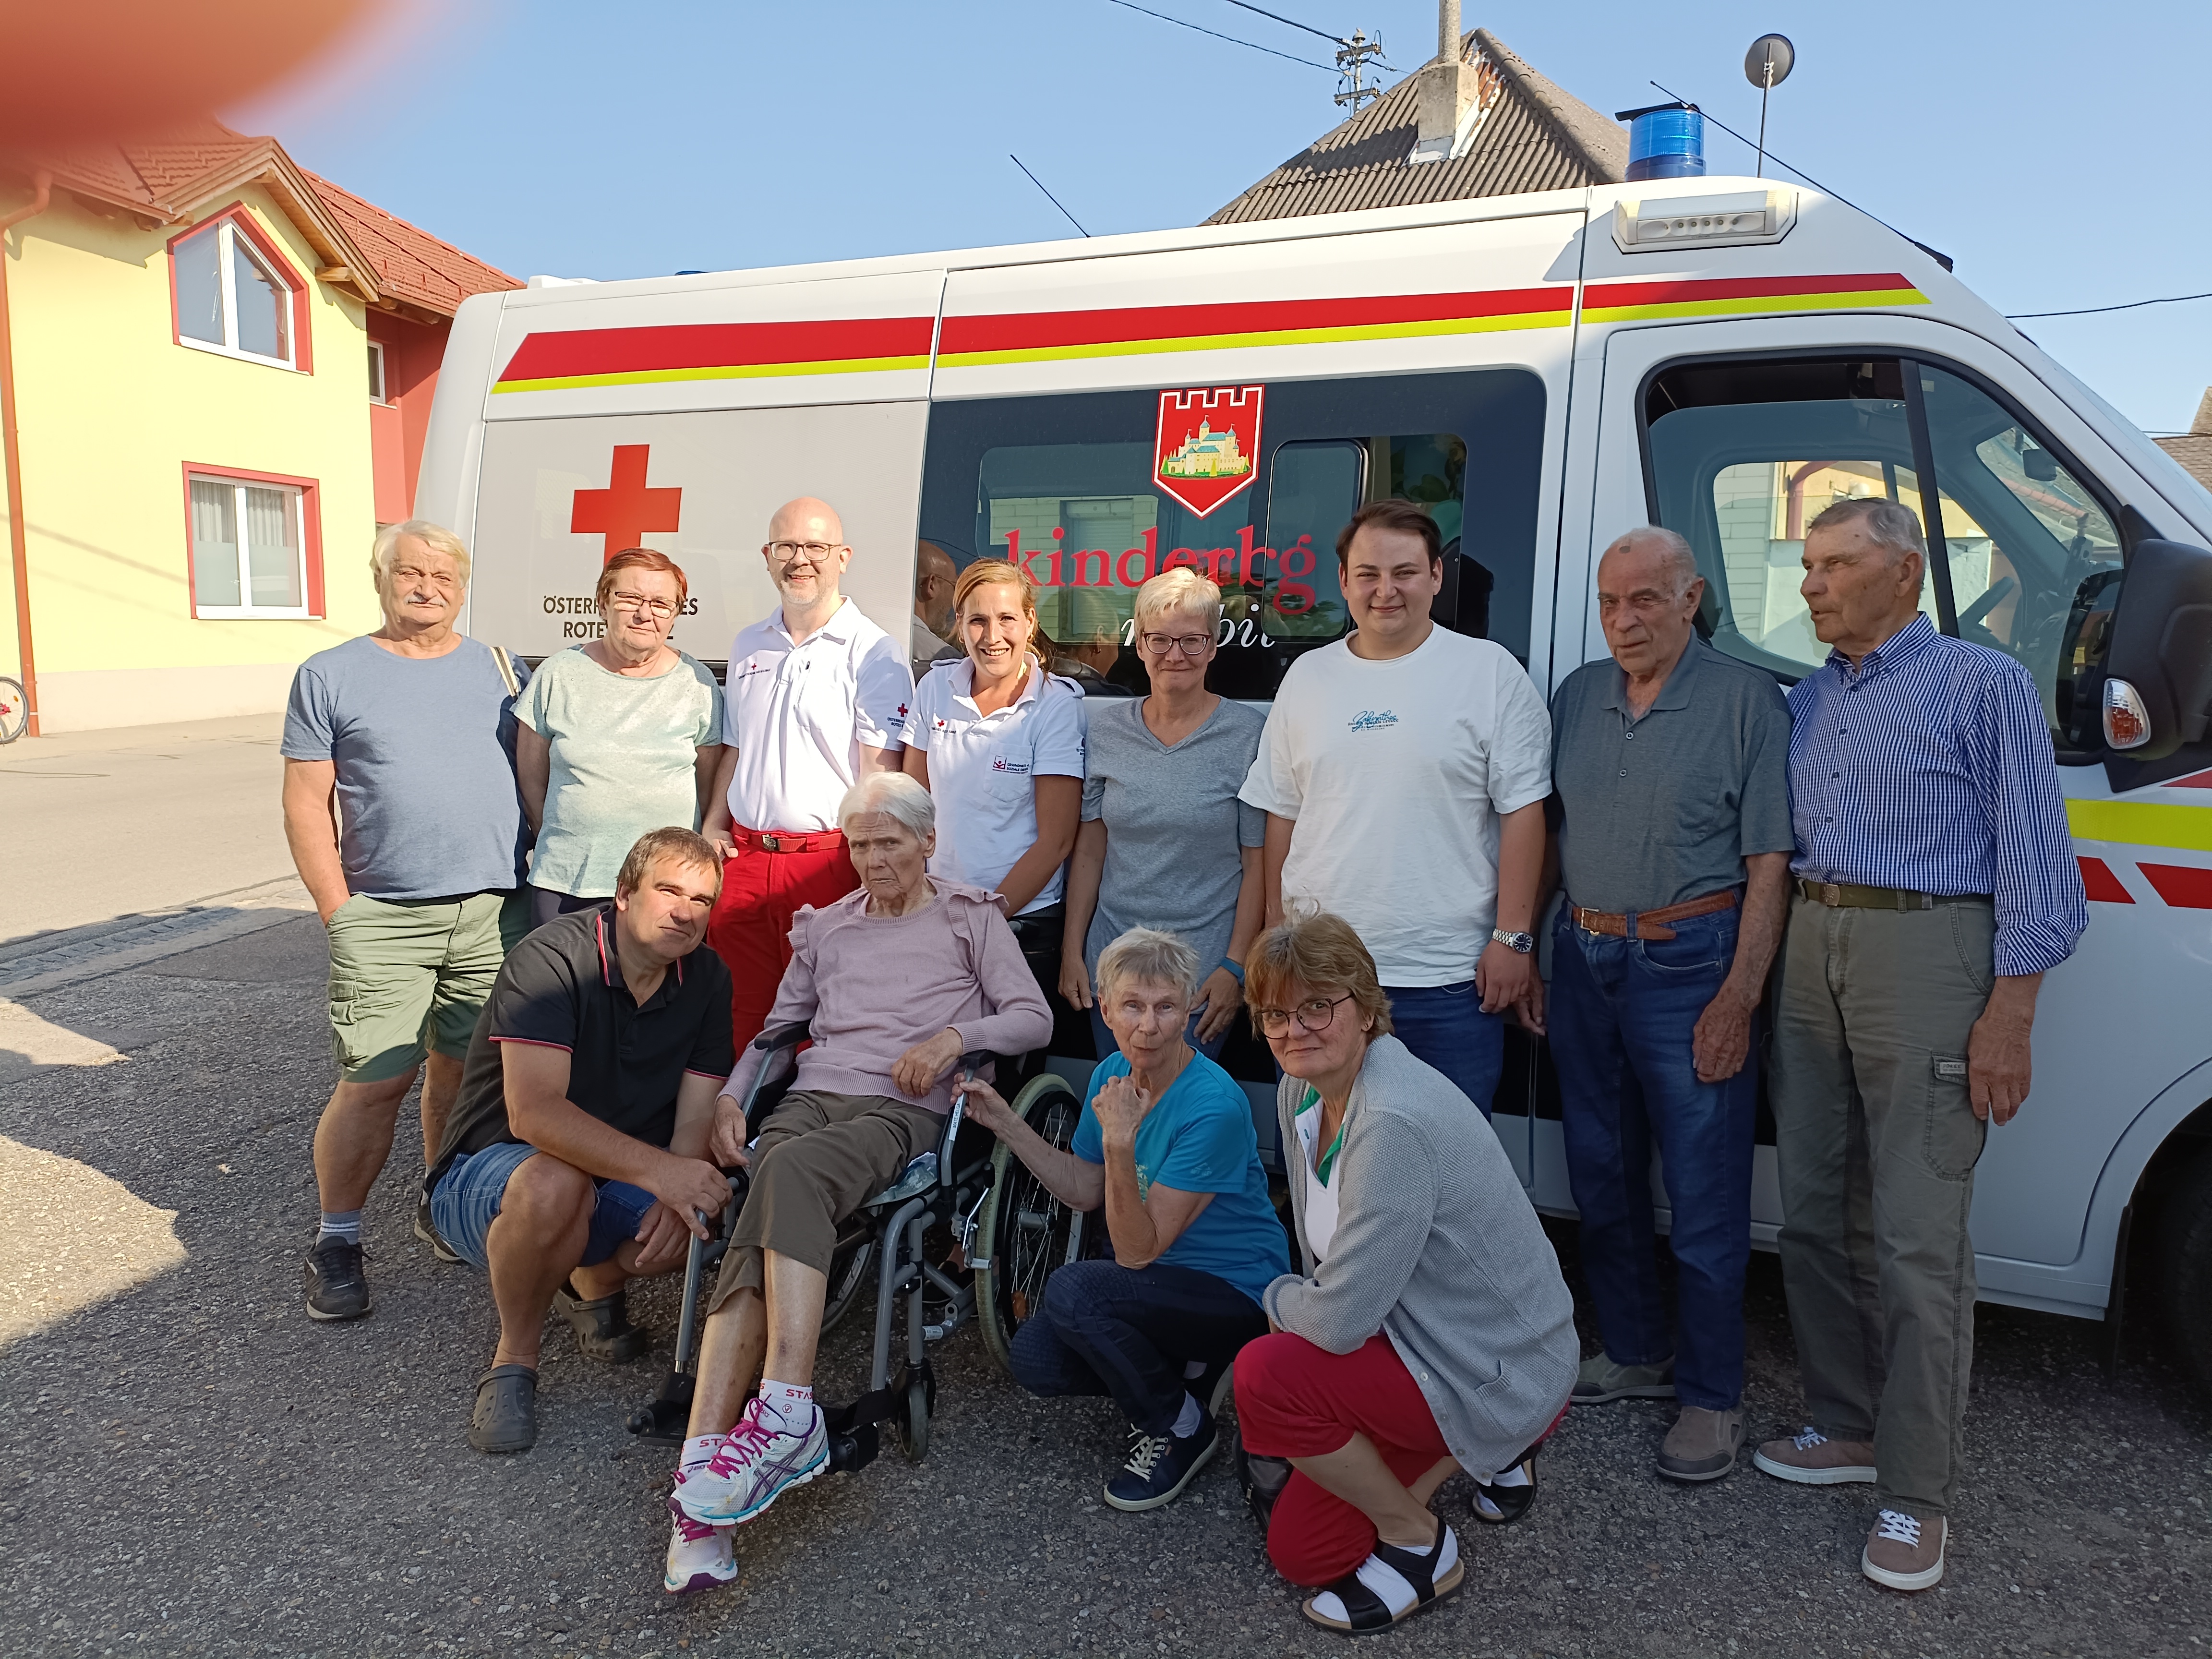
1743,218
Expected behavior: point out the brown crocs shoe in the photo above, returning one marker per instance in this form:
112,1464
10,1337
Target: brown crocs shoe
506,1418
602,1326
1811,1459
1904,1552
1702,1445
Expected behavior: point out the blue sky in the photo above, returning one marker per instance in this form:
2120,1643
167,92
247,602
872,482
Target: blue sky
2055,152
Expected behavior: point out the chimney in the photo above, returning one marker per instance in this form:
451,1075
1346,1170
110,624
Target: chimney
1443,91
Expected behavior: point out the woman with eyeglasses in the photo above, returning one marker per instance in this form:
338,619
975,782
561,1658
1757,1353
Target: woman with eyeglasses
1430,1331
998,742
1165,843
615,736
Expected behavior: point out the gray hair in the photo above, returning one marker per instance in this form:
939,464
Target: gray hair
435,537
1181,590
1149,956
1894,529
1680,559
895,795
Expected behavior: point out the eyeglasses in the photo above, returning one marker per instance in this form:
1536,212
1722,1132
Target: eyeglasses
812,552
1160,645
1313,1015
640,602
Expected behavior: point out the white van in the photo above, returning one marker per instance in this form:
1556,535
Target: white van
1721,356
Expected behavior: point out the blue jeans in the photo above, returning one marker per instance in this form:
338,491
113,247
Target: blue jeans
1622,1015
1444,1026
469,1195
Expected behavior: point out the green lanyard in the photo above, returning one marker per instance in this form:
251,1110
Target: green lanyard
1328,1160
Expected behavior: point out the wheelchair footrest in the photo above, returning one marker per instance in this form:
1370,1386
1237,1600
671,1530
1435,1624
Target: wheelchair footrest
854,1438
662,1419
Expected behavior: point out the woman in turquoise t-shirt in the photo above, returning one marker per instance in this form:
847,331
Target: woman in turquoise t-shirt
616,737
1166,1146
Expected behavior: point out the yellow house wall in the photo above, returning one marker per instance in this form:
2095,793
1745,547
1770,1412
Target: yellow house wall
110,408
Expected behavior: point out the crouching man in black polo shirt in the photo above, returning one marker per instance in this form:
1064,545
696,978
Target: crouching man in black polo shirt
573,1159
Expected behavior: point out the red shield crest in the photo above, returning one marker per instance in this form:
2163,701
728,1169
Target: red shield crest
1208,446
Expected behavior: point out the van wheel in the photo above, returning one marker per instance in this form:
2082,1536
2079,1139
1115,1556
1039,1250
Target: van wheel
2185,1249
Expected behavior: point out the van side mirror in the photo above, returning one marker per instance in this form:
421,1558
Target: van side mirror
2039,465
2158,676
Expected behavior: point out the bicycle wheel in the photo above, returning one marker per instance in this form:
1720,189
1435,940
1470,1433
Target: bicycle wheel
1023,1232
14,710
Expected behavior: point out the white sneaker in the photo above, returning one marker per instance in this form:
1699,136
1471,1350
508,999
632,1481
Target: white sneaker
700,1557
761,1460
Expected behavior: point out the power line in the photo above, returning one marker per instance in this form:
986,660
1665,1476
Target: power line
2091,311
1048,195
1248,6
1231,39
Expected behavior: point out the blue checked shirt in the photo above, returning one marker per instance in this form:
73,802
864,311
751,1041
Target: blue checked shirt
1929,770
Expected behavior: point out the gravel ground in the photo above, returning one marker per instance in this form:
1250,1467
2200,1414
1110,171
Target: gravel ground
188,1465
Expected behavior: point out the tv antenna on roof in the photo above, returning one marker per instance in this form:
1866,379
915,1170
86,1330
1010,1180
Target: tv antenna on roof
1766,66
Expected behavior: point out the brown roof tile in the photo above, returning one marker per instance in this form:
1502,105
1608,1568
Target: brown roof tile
410,264
2195,454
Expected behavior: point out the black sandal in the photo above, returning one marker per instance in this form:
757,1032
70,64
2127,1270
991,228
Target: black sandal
602,1326
1366,1613
1501,1506
506,1418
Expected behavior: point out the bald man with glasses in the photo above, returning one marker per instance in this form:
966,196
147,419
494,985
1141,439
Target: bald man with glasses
815,697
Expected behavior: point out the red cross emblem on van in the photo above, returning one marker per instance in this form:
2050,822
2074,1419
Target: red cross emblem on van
1207,449
625,511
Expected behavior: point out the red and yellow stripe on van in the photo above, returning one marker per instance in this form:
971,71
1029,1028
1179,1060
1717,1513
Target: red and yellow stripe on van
1736,296
571,358
2148,823
1042,337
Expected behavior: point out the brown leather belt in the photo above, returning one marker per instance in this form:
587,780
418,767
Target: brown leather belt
1651,924
1853,895
784,840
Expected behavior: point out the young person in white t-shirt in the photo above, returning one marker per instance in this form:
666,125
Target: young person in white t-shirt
1404,771
998,742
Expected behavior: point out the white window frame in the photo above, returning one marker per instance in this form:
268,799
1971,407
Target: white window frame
226,274
381,393
249,612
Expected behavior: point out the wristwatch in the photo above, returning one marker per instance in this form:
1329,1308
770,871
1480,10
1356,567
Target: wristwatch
1521,943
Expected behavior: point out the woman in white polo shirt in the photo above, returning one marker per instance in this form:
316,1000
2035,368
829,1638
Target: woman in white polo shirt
998,742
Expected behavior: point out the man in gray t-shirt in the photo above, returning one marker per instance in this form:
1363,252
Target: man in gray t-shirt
410,732
1670,773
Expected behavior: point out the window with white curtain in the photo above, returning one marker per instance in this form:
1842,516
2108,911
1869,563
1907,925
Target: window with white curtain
249,556
229,297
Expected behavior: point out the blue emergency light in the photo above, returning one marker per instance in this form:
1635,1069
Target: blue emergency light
1665,140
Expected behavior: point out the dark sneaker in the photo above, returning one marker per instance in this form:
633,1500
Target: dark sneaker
1160,1466
1702,1445
1811,1459
336,1288
602,1326
1904,1552
1601,1380
428,1234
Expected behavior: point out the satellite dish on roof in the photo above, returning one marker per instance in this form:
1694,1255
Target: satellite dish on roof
1769,61
1766,66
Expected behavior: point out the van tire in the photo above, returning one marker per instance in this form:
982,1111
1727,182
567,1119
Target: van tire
2185,1253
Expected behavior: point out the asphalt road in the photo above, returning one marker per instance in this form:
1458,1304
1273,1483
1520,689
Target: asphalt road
187,1465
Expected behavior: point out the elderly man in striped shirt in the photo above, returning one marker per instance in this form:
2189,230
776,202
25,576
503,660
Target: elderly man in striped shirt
1936,886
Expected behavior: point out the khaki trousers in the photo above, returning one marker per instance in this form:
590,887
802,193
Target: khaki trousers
1875,1145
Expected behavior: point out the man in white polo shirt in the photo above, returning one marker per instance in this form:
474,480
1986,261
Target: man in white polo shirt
816,696
1404,772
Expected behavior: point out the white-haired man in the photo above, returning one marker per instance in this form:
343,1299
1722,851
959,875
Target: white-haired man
896,982
1670,768
411,731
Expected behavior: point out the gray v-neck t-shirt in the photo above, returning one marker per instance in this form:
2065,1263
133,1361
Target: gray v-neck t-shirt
1174,826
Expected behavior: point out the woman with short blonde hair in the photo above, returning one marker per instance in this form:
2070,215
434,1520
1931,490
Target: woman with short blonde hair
1164,840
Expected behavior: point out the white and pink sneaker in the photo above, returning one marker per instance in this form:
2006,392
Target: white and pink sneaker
700,1556
764,1456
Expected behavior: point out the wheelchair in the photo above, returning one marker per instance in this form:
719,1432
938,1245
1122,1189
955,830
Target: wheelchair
1008,1234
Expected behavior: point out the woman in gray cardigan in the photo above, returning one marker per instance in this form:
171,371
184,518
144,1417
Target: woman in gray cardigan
1430,1331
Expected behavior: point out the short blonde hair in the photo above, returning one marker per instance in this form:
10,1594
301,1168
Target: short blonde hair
435,537
1321,952
1148,954
895,795
1179,591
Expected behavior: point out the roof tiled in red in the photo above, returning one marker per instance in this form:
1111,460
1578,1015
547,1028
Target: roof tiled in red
410,264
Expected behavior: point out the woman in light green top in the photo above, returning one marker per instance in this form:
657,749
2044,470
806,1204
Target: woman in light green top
616,737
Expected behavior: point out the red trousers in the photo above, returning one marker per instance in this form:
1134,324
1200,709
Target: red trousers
1294,1400
750,926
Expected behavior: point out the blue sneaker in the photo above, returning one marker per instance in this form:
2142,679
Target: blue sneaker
1160,1466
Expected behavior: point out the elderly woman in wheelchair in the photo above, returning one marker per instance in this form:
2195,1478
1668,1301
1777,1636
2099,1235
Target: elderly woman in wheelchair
896,981
1166,1146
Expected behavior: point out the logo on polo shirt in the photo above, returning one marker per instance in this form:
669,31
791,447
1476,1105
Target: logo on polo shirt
1367,720
938,723
1003,764
754,666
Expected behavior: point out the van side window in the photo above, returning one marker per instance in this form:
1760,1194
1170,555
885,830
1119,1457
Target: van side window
1066,486
1743,455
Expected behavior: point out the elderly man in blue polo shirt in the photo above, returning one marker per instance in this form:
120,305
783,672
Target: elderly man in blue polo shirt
1670,767
1936,884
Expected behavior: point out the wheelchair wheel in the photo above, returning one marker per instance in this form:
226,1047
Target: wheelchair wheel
1023,1231
912,1421
851,1283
